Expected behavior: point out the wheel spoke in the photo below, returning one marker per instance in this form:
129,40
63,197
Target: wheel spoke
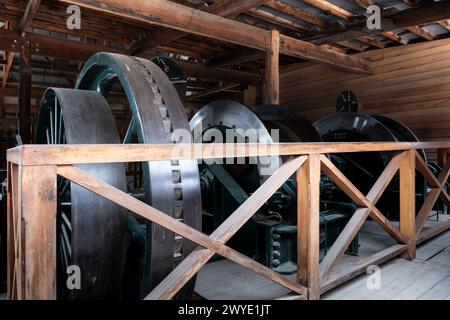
66,221
66,239
51,127
60,126
56,121
131,134
64,189
47,135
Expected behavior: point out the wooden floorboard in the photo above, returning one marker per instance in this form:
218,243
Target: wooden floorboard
427,277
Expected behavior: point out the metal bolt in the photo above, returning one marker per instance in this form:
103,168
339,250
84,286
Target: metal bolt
275,263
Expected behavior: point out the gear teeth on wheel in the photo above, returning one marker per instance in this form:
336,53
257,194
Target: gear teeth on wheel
175,164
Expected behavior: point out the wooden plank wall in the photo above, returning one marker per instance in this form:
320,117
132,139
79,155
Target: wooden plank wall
410,83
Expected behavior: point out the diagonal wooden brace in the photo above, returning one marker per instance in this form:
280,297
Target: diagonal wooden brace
211,245
347,186
437,185
344,239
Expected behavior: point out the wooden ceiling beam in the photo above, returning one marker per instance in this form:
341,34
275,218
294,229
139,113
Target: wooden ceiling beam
277,20
299,14
427,13
373,42
330,8
80,51
223,8
422,33
395,37
30,12
363,3
354,45
172,15
232,8
235,60
445,24
219,88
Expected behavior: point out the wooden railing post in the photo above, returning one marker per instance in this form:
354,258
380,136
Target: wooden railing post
408,203
442,156
308,224
272,70
38,192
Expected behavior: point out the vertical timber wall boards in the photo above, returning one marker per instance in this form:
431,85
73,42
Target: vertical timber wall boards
410,84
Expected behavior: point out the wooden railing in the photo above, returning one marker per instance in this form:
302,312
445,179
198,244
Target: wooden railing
32,207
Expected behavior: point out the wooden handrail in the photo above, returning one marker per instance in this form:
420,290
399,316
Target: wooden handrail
32,208
108,153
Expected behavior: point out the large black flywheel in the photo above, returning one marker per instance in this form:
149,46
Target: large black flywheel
91,230
364,168
170,186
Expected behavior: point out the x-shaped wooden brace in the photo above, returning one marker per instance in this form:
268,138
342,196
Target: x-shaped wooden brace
437,190
208,246
366,207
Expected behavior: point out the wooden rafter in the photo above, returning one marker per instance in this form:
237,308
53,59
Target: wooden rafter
223,8
372,42
422,33
445,24
179,17
388,34
330,8
232,8
395,37
235,59
277,20
297,13
30,12
81,51
354,45
427,13
219,88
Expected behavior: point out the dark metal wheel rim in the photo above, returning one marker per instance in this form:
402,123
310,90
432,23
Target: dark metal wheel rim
170,186
232,114
92,230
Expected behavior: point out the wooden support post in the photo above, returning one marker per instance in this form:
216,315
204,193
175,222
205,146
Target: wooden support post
308,225
442,157
272,72
408,203
24,103
36,275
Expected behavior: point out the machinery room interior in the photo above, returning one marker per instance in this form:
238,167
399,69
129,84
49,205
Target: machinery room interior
224,150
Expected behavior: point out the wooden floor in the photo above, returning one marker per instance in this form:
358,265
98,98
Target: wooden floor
427,277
